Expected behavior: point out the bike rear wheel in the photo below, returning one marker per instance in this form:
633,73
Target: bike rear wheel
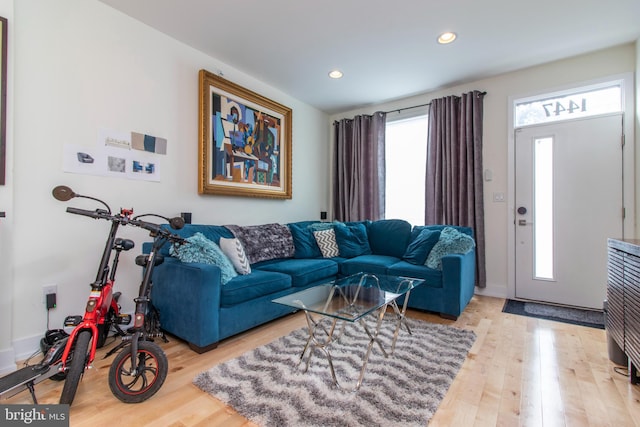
76,367
151,371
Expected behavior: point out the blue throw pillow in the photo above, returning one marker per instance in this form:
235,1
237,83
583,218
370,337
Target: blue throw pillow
320,226
451,242
352,240
304,242
211,232
200,249
421,246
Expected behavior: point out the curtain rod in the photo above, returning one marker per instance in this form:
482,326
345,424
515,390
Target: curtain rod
421,105
397,110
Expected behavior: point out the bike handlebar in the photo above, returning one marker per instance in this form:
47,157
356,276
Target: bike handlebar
97,214
154,229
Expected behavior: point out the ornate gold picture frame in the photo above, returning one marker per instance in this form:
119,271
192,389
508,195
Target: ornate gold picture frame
245,141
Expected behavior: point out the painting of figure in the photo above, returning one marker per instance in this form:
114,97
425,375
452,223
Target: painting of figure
247,139
245,143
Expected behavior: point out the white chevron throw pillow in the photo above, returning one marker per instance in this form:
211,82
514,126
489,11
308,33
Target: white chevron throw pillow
327,243
233,249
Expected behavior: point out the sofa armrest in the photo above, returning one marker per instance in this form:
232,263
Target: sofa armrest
187,295
458,281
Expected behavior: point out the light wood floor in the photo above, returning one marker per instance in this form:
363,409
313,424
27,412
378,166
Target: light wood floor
520,372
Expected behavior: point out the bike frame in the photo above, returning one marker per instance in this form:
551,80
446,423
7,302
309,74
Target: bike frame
142,301
100,298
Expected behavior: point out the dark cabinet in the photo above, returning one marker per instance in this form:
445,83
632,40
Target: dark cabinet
623,296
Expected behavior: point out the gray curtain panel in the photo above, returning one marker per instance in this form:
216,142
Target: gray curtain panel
359,176
454,187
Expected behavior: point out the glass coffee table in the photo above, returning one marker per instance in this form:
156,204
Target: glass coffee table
350,300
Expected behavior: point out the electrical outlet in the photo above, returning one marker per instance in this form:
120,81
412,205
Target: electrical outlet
48,289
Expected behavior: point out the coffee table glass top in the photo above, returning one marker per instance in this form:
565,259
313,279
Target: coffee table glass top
350,298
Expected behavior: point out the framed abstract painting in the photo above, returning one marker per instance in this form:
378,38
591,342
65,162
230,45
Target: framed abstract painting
245,141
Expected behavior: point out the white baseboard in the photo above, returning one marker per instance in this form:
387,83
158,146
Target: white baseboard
21,350
7,361
25,347
492,291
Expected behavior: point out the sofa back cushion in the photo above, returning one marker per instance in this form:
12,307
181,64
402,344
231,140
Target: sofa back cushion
389,237
264,242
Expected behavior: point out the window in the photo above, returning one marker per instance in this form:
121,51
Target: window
406,161
587,101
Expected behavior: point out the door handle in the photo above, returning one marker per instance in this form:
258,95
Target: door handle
522,222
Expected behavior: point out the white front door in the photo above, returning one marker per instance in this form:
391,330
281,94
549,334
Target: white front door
568,201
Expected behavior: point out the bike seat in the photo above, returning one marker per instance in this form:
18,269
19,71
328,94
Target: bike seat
142,260
123,244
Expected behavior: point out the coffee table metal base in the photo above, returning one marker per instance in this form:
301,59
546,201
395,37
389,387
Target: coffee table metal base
324,341
325,337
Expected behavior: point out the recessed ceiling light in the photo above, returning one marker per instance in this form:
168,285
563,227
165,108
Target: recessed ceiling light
447,37
335,74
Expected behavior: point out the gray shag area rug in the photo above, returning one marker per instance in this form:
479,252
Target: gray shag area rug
270,388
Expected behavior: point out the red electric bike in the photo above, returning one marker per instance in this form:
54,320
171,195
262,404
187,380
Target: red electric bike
139,370
57,344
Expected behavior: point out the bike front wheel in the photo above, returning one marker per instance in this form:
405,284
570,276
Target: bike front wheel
76,366
135,386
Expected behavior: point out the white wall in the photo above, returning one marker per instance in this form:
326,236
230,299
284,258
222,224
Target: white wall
81,66
6,200
617,60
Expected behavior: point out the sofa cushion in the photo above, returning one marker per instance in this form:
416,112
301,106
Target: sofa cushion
376,264
352,239
420,246
303,271
257,284
326,240
264,242
389,237
202,250
304,241
233,249
451,241
433,278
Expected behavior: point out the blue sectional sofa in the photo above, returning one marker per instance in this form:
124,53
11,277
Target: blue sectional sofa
197,307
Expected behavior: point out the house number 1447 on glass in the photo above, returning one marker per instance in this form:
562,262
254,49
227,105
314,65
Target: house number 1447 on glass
557,108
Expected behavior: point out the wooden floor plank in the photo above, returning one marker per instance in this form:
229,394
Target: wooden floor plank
520,372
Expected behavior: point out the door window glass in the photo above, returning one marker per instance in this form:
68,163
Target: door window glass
543,208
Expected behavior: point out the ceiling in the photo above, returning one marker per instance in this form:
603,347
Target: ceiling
387,50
